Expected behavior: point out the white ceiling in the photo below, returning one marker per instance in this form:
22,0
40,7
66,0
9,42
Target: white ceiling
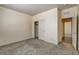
33,9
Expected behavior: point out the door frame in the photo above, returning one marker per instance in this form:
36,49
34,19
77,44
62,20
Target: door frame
35,23
77,34
63,21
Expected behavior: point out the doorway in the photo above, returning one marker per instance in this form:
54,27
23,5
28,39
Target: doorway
36,24
67,32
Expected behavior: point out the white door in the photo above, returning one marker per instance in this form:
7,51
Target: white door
74,28
41,29
74,37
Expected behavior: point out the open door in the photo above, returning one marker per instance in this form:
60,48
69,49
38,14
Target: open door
74,33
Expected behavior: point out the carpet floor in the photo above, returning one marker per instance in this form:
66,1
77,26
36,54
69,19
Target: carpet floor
36,47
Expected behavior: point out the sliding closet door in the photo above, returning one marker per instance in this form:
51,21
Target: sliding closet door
41,29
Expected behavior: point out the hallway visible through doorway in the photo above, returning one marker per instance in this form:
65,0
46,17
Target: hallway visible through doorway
67,32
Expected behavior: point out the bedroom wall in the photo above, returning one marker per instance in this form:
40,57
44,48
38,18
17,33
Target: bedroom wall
48,25
14,26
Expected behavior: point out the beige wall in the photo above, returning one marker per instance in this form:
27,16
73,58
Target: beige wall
71,12
60,29
48,25
14,26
